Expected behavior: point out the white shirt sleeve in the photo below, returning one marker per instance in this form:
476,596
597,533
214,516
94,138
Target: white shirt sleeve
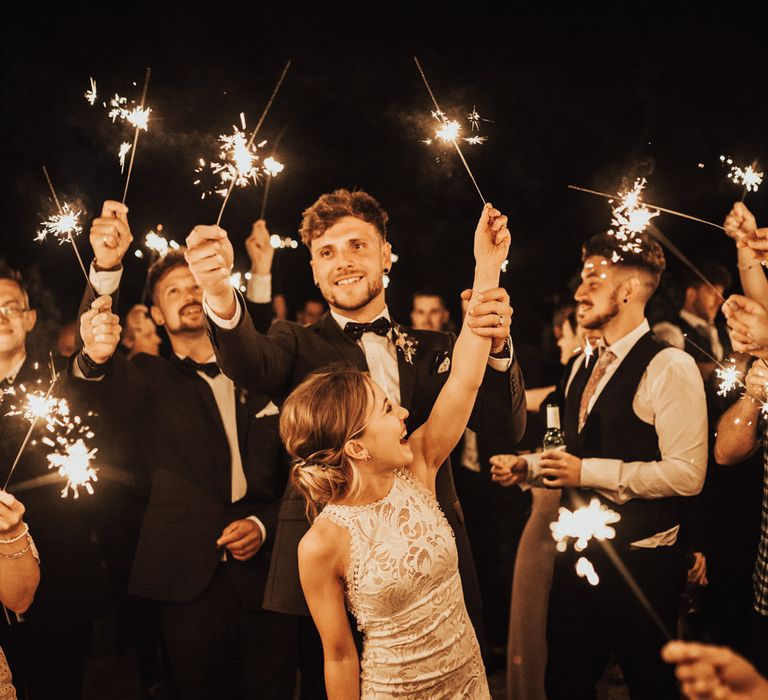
226,324
105,282
502,364
261,527
259,289
670,397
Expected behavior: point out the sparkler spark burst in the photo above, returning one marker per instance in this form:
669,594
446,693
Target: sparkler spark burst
729,378
38,405
124,148
237,161
91,95
630,217
137,117
157,244
449,131
272,166
474,119
585,569
583,524
62,225
748,177
73,462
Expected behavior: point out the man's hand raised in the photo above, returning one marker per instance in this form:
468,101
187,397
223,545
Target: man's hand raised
260,250
100,330
110,236
210,258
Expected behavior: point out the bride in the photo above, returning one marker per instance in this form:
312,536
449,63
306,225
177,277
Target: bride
380,546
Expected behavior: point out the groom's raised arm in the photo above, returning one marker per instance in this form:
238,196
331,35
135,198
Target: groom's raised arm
254,361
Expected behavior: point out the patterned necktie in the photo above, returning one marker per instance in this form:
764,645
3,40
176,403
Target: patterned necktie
380,327
594,379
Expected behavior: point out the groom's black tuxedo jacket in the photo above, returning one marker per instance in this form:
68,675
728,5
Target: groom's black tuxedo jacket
274,364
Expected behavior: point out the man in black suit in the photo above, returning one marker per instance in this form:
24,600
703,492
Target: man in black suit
346,234
217,474
48,645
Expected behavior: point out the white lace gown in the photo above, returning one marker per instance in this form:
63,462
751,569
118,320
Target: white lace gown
403,587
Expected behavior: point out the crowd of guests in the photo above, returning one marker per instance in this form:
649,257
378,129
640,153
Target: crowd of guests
221,449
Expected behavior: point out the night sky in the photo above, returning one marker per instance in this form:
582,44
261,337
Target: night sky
589,98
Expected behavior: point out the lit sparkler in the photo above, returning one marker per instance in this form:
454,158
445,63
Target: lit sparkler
124,148
583,524
138,117
249,144
449,131
630,218
272,166
648,205
61,226
730,378
585,569
64,226
73,460
91,94
42,406
749,178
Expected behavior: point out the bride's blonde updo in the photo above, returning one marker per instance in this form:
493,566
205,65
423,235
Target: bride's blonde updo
320,416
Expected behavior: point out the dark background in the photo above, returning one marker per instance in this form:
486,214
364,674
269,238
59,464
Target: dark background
592,97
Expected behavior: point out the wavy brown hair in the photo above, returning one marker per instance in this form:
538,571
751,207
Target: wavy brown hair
329,208
329,408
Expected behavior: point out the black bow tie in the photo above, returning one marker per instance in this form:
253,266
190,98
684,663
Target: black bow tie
189,367
380,327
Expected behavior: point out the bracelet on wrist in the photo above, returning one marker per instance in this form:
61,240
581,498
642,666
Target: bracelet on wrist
13,540
20,553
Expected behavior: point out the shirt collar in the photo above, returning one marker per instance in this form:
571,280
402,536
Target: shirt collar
11,378
622,346
343,320
693,319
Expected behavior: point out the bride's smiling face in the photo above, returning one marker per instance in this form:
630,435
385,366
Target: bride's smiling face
385,435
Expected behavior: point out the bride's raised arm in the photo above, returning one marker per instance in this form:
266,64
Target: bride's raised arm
433,442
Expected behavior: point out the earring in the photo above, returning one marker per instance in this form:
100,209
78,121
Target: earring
625,300
386,270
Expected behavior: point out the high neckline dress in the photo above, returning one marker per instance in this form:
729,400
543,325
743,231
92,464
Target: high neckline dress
403,587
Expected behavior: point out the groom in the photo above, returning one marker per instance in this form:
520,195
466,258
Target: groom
346,235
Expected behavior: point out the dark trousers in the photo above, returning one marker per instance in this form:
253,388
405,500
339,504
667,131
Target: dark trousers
587,623
219,649
47,661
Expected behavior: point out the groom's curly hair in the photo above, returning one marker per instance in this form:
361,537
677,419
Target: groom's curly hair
331,207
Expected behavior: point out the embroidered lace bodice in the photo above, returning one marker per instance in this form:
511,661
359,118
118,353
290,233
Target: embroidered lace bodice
403,587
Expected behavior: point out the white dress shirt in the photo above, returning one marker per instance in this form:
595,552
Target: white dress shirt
670,397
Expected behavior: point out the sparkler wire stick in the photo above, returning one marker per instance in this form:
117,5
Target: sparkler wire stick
654,231
70,236
136,134
265,196
253,135
453,140
646,204
630,580
27,437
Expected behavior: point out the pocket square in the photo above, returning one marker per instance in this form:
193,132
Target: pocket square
269,410
441,363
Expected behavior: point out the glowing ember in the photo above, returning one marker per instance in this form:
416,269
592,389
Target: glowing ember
73,462
729,377
61,226
449,131
91,95
583,524
157,244
585,569
631,217
272,166
124,148
474,119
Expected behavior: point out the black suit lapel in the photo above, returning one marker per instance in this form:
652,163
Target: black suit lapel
347,348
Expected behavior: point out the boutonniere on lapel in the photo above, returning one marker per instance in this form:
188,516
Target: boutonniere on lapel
405,344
